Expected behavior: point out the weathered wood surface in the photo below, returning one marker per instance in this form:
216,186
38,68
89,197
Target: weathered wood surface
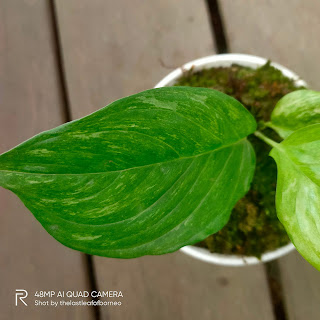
115,48
287,33
301,284
176,286
30,102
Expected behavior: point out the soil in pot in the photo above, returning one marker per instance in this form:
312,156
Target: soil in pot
253,228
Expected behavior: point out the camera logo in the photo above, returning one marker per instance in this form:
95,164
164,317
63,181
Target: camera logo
22,294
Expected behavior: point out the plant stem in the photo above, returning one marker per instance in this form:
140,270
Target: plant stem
269,124
264,138
262,125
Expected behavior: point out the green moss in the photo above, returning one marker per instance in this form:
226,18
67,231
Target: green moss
253,227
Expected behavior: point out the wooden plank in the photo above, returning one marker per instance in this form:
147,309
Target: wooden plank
112,49
176,286
116,48
30,102
302,287
288,34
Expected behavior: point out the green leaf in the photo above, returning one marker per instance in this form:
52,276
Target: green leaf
294,111
298,190
147,174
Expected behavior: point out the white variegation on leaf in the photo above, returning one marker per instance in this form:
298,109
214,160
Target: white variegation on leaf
298,190
294,111
147,174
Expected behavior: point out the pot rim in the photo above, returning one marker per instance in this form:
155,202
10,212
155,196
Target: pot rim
226,60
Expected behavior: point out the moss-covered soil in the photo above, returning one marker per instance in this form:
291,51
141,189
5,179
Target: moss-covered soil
253,227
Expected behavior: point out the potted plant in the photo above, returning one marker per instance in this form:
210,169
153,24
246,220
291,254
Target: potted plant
253,233
162,169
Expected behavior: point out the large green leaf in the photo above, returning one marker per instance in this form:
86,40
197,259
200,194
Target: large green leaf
294,111
298,190
147,174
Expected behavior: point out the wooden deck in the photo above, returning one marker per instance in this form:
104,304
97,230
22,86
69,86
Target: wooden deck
60,60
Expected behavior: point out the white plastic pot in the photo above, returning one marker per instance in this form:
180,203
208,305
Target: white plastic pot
226,60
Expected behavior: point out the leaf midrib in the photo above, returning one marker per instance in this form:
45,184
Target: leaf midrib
127,169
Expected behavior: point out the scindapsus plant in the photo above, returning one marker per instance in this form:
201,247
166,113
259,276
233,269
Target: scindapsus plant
162,169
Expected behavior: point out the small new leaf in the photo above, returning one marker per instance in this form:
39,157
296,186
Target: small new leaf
298,190
295,111
147,174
